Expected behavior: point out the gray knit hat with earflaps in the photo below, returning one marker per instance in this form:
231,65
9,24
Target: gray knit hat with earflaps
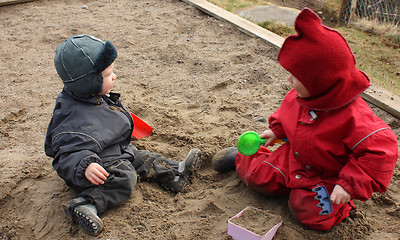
79,61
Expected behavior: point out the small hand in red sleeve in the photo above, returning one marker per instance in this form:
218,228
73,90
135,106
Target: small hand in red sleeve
340,195
270,136
96,174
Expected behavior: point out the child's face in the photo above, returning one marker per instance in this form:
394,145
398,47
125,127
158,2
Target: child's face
108,79
298,86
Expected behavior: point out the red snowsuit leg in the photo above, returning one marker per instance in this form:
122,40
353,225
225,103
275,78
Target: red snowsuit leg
268,175
261,174
303,205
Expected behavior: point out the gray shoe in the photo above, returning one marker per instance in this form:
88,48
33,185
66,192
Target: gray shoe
84,214
188,167
224,160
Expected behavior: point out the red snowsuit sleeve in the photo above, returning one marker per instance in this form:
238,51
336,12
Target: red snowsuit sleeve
276,126
274,120
371,166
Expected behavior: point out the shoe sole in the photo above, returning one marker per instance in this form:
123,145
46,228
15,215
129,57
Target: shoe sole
79,217
86,224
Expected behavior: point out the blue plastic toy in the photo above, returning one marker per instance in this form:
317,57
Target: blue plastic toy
324,200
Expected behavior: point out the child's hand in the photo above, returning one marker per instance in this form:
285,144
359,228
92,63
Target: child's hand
96,174
339,195
270,136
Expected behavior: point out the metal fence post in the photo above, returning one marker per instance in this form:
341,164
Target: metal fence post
345,11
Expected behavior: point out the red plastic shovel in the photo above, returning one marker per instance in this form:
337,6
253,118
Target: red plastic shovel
140,128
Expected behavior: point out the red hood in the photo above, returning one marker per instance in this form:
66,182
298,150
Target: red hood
320,58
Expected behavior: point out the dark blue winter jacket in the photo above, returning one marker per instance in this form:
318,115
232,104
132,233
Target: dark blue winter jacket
83,131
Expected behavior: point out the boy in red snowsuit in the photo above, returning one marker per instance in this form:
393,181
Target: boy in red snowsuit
334,138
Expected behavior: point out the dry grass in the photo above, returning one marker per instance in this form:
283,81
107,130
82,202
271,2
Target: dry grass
388,30
376,56
232,5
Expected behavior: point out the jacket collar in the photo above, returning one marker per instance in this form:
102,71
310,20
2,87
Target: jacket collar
96,100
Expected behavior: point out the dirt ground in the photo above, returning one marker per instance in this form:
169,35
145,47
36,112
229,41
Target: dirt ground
197,81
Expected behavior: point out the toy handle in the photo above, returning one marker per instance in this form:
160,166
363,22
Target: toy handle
283,140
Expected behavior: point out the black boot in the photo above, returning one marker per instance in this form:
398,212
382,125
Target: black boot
224,160
186,170
84,214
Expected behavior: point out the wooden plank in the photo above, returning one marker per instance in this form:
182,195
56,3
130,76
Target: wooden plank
244,25
10,2
375,95
383,99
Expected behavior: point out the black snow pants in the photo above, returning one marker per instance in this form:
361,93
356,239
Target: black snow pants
124,171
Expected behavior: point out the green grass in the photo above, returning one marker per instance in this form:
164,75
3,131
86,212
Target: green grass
377,52
280,29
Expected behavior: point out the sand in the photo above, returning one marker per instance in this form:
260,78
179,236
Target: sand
196,80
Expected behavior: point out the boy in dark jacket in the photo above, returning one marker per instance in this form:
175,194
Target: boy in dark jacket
89,137
334,138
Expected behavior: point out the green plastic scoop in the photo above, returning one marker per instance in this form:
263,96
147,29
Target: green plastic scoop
249,143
